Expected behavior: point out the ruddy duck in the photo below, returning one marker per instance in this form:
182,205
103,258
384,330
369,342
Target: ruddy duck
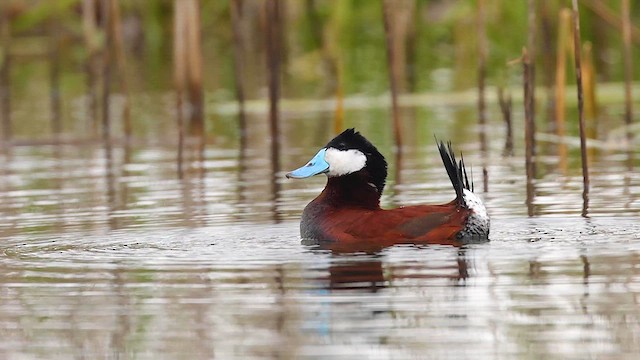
348,209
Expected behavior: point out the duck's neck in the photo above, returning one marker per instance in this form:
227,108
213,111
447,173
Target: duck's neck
353,190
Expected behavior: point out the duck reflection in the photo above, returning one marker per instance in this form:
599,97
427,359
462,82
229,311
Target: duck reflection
365,275
383,289
371,271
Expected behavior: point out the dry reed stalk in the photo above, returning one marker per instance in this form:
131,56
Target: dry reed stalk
54,77
180,75
398,22
238,53
547,61
338,120
273,41
564,31
106,74
482,73
411,39
188,66
121,64
332,57
187,55
528,128
532,50
628,68
589,83
5,77
90,31
106,93
583,140
401,26
505,108
392,62
194,69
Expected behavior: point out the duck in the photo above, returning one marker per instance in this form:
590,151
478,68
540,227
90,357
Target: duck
347,211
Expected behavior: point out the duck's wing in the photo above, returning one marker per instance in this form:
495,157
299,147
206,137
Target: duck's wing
356,231
424,223
416,227
430,223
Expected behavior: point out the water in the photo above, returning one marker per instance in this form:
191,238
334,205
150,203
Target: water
537,290
123,260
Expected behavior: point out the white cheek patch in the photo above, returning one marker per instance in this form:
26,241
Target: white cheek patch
343,162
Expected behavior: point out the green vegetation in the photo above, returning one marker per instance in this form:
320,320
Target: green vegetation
322,39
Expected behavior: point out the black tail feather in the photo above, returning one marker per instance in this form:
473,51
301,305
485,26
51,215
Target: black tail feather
471,172
464,170
456,170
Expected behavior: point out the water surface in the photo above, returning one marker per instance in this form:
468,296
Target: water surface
122,259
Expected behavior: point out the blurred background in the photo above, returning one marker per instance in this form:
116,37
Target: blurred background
54,55
177,86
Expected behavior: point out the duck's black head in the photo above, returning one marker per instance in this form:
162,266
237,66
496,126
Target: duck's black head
348,153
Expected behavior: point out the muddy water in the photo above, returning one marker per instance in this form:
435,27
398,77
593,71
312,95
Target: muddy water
123,260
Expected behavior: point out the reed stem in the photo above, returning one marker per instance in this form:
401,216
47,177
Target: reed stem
89,31
392,62
546,32
506,110
121,64
106,94
338,123
187,57
589,83
179,49
5,75
194,70
528,129
273,41
238,53
54,77
628,68
532,50
106,74
188,66
564,31
482,73
583,140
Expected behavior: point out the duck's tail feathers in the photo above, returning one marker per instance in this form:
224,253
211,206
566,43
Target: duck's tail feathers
456,170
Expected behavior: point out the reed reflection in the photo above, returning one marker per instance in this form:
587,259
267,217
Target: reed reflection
193,184
110,181
627,178
275,183
397,184
58,186
6,186
255,178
